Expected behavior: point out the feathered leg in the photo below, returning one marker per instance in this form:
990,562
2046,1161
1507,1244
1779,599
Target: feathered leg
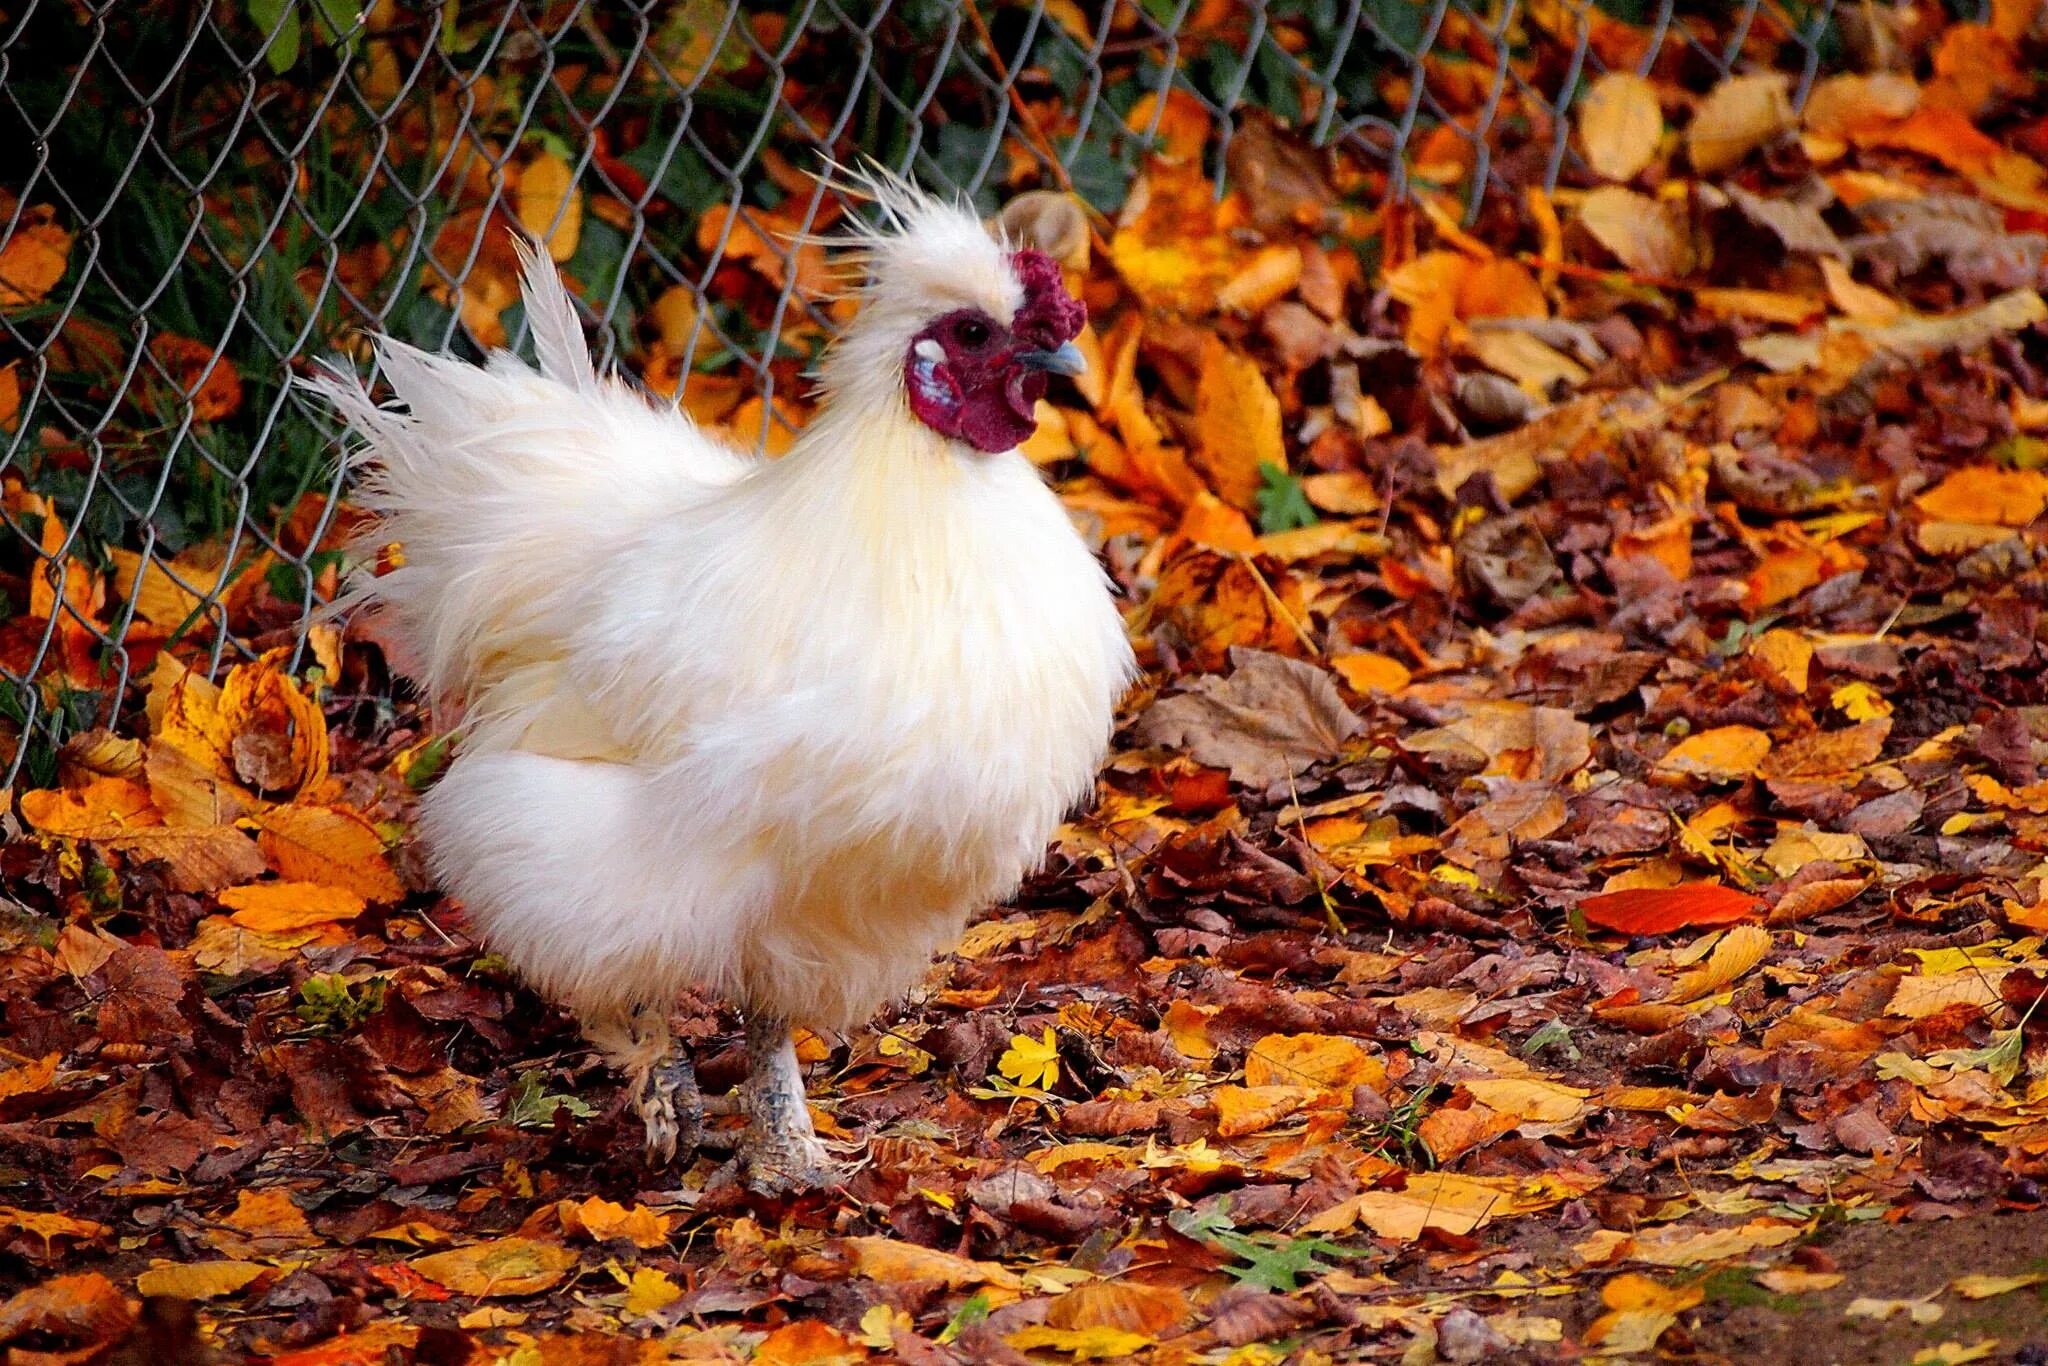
783,1153
660,1079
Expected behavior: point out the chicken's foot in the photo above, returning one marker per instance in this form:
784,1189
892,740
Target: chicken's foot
659,1079
783,1153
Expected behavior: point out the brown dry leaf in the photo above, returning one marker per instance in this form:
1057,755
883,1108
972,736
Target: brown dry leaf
1050,221
1237,425
1643,234
1269,720
1620,124
549,205
1738,116
1511,739
503,1266
1516,459
329,845
1842,106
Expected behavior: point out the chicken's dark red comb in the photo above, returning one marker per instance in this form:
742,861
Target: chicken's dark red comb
1049,314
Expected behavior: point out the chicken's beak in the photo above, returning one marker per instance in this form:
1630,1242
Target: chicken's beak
1067,360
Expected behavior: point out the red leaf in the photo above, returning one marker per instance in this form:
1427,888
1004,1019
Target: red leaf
1660,910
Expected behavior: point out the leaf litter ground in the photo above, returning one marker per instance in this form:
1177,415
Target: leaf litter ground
1571,881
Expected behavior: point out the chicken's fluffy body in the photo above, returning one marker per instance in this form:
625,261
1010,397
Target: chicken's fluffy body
775,728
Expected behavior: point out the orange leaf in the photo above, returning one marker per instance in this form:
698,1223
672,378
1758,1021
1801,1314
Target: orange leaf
1660,910
32,261
1237,424
276,907
330,845
808,1342
105,808
207,379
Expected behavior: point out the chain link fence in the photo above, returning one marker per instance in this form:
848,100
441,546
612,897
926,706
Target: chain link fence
202,195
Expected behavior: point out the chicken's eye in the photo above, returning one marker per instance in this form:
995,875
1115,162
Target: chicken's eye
971,332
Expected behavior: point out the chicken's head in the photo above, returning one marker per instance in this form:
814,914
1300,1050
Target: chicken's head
977,378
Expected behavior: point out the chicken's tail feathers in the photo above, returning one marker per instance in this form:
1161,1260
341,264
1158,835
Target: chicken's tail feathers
551,313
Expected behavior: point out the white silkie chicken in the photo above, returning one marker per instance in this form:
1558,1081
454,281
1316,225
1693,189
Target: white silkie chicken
775,728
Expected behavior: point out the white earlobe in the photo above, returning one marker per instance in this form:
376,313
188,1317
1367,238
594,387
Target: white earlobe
929,350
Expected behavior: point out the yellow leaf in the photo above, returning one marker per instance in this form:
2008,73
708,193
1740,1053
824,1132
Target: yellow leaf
1739,950
1529,1098
1984,1287
1739,115
503,1266
549,205
275,907
1859,702
1642,233
1237,425
1620,123
1677,1245
1724,754
197,1280
1858,301
1032,1062
1786,654
1082,1344
650,1291
1187,1025
1922,995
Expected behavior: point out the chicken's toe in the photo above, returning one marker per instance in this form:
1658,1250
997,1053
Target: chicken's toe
787,1161
672,1109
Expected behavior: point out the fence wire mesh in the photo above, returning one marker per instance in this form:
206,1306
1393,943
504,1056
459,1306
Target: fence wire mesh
201,196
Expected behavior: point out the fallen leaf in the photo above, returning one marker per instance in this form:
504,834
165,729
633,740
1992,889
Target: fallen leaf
503,1266
1660,910
1269,720
1620,124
